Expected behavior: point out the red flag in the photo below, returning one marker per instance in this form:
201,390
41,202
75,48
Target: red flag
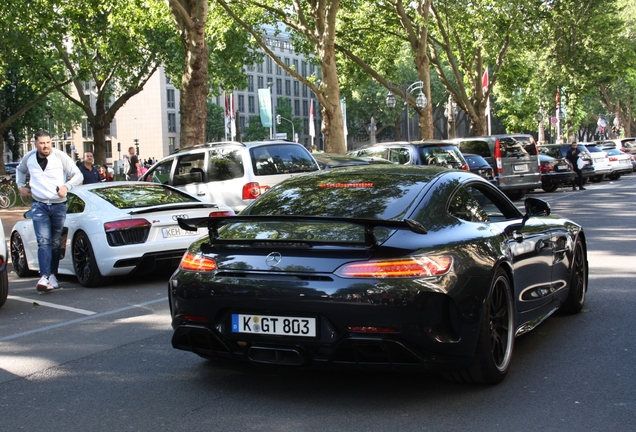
557,98
484,81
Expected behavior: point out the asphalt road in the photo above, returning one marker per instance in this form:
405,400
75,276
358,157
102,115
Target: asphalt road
100,359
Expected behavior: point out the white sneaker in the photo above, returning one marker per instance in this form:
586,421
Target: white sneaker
53,281
44,285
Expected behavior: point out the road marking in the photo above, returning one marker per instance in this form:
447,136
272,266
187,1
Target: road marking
79,320
52,305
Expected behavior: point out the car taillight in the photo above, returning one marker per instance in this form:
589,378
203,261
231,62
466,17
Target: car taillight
222,213
613,158
125,232
253,190
420,266
198,263
546,167
498,156
465,167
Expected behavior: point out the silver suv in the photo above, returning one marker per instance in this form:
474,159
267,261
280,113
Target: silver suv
232,173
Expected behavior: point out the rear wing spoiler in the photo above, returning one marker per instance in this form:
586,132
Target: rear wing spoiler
214,223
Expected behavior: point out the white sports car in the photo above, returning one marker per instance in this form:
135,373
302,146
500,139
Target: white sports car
4,278
115,229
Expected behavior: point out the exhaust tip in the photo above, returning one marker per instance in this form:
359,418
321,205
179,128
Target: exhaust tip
276,356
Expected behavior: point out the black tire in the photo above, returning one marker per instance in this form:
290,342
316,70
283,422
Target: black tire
84,262
598,178
496,337
614,176
549,187
18,256
4,286
578,280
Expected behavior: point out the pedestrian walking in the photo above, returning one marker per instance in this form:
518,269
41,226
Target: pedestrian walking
48,169
574,157
89,172
133,166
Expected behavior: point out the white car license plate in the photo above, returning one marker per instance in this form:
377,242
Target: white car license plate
177,232
274,325
523,167
562,167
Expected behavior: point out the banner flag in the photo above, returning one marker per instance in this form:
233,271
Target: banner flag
265,107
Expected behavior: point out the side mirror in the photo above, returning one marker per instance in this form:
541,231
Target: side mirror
534,207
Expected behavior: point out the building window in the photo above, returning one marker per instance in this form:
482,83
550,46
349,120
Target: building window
296,107
87,130
250,68
287,87
170,144
109,149
259,67
242,122
305,90
251,106
87,86
260,81
250,83
170,96
107,131
288,64
172,122
241,103
296,65
279,86
268,62
303,68
305,108
296,88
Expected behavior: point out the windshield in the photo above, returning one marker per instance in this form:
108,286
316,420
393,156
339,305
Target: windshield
136,195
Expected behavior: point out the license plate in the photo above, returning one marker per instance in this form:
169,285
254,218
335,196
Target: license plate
177,232
274,325
562,167
523,167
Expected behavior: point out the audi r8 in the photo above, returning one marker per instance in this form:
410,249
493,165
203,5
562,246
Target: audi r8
116,229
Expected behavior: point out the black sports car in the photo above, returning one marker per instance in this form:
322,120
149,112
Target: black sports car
403,267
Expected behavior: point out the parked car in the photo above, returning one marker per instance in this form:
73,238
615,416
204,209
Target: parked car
4,272
513,158
116,229
600,161
479,166
555,173
401,267
627,145
10,168
335,160
620,163
232,173
433,152
559,151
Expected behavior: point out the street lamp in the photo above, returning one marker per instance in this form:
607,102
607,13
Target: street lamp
420,101
451,113
538,117
272,129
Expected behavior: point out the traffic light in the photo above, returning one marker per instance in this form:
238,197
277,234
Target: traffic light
277,118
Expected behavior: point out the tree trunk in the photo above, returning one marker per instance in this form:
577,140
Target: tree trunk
191,17
332,121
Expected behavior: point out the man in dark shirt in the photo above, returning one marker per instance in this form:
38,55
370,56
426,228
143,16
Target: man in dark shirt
90,173
573,156
134,164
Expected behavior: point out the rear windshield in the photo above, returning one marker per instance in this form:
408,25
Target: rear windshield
528,144
555,152
136,195
281,159
447,156
510,147
477,147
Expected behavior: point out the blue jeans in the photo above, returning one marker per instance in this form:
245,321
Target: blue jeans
48,221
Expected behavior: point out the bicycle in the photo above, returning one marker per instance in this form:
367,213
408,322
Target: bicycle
8,196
